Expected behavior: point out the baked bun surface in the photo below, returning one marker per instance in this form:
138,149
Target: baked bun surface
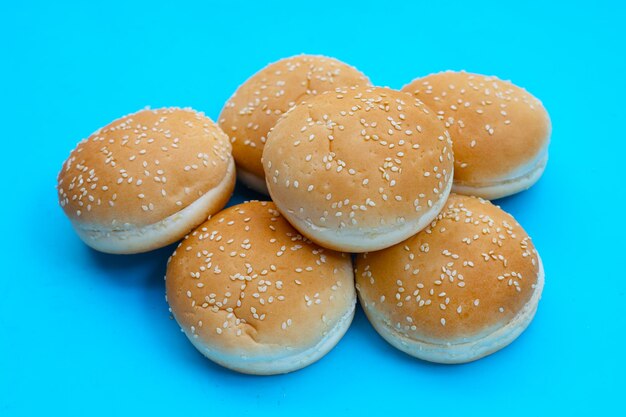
147,179
359,169
258,103
255,296
500,132
463,288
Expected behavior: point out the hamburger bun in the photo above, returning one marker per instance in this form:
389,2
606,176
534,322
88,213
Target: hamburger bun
147,179
255,296
258,103
461,289
359,168
500,132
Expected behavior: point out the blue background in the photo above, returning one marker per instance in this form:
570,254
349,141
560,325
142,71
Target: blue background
84,333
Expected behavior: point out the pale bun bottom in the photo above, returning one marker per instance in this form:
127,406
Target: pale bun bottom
365,240
164,232
468,350
279,359
252,181
499,189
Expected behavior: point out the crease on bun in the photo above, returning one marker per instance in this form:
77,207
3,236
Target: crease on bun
282,359
255,296
133,239
522,180
467,349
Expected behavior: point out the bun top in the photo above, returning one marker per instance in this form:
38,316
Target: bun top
258,103
246,282
497,128
358,159
143,168
470,272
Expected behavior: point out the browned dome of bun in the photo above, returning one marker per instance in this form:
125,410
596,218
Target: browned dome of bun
146,179
500,132
255,296
461,289
258,103
360,168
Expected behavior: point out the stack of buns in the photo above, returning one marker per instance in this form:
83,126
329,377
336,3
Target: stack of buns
401,178
256,106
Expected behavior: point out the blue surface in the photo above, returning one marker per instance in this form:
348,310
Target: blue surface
83,333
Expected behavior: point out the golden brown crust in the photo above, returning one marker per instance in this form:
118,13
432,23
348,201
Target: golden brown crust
357,159
258,103
143,168
470,272
245,282
497,128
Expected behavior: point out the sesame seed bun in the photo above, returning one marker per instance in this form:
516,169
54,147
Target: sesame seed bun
500,132
147,179
255,296
461,289
258,103
359,169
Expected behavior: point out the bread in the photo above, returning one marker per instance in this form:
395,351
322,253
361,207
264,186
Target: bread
253,295
499,131
258,103
461,289
359,169
147,179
